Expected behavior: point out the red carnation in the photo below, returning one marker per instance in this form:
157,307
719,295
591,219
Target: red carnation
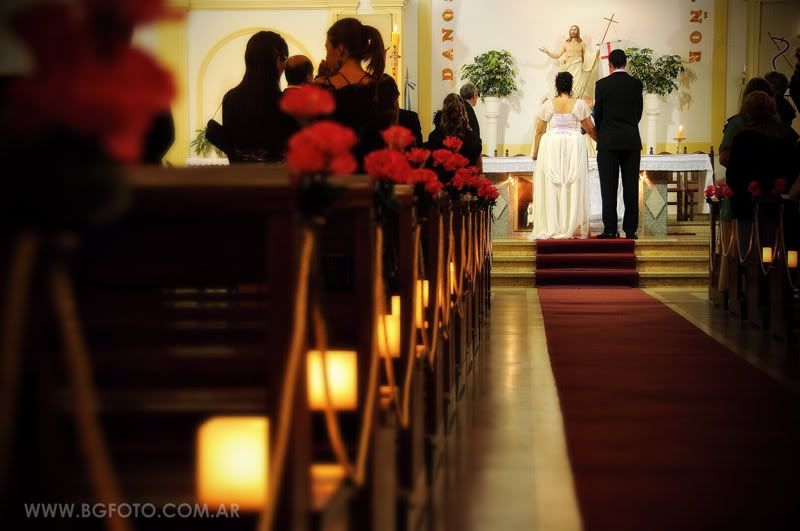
433,186
755,189
420,176
465,178
453,143
710,191
343,164
333,138
779,187
305,156
398,137
308,102
441,156
455,162
418,156
387,164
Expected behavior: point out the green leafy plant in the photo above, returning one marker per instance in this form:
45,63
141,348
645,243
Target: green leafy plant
659,76
202,147
493,73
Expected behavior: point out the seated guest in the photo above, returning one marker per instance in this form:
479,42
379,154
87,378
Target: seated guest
452,121
299,71
469,95
763,151
736,122
255,128
410,120
366,99
780,85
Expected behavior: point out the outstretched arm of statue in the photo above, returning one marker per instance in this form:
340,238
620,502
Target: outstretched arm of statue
553,55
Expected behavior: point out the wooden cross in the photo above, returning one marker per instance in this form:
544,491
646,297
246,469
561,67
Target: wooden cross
610,21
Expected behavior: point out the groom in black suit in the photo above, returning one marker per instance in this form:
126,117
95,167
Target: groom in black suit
617,111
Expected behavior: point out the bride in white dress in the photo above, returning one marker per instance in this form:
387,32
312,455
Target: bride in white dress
560,183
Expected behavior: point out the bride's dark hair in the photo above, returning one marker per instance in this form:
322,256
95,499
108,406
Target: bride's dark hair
564,83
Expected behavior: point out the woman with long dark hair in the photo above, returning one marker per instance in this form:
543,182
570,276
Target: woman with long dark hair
452,120
366,98
256,129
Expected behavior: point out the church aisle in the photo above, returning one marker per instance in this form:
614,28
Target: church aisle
667,428
508,467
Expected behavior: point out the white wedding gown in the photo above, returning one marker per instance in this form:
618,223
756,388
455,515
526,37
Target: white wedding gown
560,183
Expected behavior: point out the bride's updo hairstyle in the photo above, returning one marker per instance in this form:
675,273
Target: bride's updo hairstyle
564,83
454,121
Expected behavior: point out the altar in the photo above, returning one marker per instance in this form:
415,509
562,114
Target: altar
513,176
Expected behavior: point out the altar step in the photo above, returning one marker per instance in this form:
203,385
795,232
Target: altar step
680,261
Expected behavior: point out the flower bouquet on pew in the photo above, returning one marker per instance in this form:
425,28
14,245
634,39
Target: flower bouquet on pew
318,151
722,193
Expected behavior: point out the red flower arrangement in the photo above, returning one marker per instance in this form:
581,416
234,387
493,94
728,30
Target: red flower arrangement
322,149
465,178
427,178
307,102
398,137
755,189
718,191
387,165
418,156
89,79
452,143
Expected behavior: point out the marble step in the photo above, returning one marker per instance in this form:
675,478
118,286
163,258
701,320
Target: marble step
649,279
513,261
672,262
672,246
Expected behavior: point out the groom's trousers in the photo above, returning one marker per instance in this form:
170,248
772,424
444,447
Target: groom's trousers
611,164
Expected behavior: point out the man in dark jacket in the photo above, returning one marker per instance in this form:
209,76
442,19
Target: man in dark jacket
617,111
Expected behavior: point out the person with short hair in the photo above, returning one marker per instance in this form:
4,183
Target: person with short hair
617,111
299,71
780,84
470,96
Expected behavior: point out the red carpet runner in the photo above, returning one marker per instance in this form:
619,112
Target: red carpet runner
666,428
586,262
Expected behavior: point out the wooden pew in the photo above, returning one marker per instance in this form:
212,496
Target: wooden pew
187,308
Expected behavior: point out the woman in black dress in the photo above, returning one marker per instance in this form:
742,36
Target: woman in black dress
366,99
255,128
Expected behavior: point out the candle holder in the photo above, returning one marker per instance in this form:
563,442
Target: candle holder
679,140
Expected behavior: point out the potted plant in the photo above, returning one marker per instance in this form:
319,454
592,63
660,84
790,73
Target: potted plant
659,78
494,75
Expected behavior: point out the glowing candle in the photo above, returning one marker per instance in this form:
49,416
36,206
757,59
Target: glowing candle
453,284
423,288
395,37
342,379
680,132
791,259
232,464
766,255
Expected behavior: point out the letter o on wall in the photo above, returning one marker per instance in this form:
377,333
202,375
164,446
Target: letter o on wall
448,15
696,37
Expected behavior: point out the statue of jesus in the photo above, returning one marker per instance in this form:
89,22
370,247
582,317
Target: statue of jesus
573,52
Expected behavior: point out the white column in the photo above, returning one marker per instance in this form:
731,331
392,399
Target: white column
652,108
492,114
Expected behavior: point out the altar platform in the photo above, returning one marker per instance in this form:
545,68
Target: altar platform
659,175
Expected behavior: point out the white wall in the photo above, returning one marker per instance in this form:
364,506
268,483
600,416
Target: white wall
522,26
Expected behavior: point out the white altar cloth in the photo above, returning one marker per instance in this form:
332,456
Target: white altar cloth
672,163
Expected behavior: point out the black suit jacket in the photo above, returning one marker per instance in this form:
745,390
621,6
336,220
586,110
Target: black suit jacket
471,117
617,111
410,120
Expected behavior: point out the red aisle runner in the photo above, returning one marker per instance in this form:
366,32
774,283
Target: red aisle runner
666,428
